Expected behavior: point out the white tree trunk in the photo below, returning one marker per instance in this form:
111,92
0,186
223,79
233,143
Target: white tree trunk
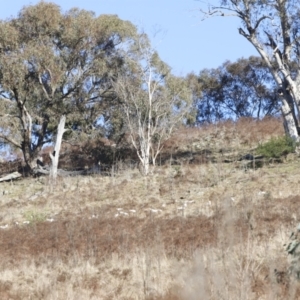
289,122
144,169
55,155
144,156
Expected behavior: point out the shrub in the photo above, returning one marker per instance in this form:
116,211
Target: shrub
277,147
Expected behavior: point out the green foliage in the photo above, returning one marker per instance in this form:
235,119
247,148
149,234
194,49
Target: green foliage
277,147
244,88
54,63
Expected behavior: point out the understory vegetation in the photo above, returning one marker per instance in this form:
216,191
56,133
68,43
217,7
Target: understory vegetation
203,225
277,147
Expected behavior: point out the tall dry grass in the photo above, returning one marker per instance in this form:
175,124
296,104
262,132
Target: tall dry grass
189,231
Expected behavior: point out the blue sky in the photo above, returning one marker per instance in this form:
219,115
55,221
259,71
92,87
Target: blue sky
174,26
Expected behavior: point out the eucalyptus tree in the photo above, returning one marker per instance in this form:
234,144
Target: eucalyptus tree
53,64
153,101
273,28
244,88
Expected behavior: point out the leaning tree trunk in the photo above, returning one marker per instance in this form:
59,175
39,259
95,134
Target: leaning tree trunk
55,155
290,121
288,87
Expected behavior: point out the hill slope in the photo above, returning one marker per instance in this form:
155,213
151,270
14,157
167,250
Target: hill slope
190,230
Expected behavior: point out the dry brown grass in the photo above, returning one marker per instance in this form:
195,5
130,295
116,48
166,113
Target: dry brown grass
245,133
189,231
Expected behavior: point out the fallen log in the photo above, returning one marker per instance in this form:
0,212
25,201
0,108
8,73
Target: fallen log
12,176
60,172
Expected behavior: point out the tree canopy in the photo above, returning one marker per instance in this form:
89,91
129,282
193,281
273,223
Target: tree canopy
244,88
54,63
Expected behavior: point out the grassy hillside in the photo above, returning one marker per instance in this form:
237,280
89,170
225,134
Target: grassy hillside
204,225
